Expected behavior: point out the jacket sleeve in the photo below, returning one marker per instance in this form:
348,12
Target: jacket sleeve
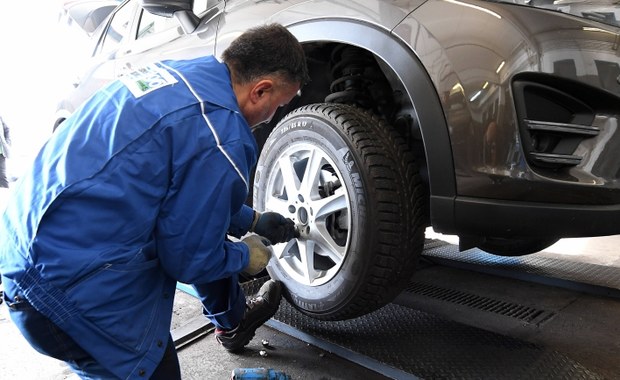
241,222
205,192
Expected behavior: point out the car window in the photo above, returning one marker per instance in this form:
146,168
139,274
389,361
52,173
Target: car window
118,28
151,24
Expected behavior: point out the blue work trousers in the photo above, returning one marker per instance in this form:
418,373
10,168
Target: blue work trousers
48,339
223,302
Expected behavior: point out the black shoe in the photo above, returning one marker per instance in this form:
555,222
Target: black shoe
258,311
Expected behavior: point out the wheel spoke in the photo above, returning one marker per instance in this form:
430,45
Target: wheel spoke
306,254
329,205
289,177
310,182
324,208
328,245
286,252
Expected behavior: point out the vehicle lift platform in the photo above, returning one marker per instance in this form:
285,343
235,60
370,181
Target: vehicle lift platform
464,315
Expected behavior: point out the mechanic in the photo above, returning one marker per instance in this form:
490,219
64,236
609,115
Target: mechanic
138,189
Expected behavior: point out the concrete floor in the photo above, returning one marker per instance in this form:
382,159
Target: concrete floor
205,360
202,359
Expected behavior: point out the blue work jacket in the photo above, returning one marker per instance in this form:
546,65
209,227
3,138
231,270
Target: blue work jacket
135,191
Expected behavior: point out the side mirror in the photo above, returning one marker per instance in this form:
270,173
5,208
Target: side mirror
166,8
179,9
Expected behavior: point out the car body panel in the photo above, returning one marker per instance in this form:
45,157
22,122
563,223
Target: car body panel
472,70
242,14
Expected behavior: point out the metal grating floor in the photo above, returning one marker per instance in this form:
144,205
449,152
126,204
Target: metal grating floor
523,313
596,279
404,343
429,347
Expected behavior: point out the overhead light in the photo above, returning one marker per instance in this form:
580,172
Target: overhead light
594,29
500,67
476,95
494,14
457,87
485,85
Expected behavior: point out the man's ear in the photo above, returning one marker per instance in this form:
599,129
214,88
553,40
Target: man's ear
260,89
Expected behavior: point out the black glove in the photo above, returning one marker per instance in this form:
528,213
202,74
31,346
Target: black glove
274,227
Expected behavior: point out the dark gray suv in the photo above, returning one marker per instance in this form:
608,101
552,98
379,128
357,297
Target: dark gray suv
497,121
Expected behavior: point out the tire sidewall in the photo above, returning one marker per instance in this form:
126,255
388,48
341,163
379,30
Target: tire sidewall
322,134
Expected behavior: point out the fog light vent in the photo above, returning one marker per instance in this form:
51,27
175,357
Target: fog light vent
556,115
552,143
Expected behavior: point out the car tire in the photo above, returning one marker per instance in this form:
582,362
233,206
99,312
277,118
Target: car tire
351,185
515,247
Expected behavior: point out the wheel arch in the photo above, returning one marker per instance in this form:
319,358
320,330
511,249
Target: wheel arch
407,73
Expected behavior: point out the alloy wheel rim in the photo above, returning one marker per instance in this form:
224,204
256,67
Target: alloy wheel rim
306,186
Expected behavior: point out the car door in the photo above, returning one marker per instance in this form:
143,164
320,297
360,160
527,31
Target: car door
148,41
133,37
154,38
100,68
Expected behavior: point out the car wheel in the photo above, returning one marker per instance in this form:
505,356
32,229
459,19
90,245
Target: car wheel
515,247
351,185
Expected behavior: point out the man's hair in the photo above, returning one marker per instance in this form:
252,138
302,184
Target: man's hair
267,50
